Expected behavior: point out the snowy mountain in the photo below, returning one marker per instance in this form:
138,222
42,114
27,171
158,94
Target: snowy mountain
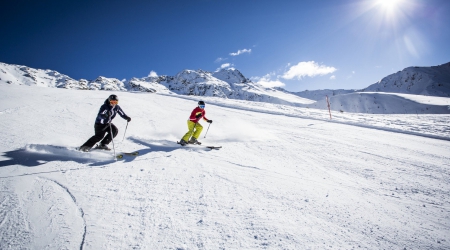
23,75
432,81
227,83
232,84
414,90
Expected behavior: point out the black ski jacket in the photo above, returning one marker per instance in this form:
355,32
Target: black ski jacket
104,113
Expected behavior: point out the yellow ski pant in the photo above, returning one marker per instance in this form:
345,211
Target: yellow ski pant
195,133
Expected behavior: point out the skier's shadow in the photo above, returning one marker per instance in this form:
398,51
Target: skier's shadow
28,158
158,146
161,146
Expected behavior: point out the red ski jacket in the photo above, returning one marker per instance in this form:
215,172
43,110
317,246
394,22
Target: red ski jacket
196,112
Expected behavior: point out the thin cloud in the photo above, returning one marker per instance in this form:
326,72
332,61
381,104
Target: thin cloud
224,66
332,77
241,52
267,82
152,74
351,75
220,59
311,69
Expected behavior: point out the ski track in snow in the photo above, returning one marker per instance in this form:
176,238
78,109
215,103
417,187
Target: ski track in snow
80,209
279,182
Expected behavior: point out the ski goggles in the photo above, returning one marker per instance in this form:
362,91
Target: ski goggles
114,102
202,106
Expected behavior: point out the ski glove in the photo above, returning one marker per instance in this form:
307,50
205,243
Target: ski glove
209,121
128,119
198,116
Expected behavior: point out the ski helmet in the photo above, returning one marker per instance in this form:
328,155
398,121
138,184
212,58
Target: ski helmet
201,103
113,98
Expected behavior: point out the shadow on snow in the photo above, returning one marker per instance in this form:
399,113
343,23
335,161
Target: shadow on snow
35,154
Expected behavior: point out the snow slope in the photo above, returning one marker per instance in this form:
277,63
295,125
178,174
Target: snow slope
385,103
433,81
318,95
286,177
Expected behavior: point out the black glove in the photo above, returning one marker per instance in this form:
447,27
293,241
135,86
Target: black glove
209,121
128,119
198,116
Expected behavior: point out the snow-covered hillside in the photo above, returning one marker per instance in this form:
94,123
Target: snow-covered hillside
286,177
414,90
385,103
23,75
319,95
432,81
232,84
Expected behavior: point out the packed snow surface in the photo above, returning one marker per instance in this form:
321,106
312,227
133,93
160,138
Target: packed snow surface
286,177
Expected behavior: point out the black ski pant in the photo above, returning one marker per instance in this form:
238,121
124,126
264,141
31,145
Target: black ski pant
100,131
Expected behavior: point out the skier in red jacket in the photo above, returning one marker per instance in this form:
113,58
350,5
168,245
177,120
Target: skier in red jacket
195,128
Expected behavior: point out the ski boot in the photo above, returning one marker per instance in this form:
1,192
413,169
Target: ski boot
183,142
84,148
194,141
102,146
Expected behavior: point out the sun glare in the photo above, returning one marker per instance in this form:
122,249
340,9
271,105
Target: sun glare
389,4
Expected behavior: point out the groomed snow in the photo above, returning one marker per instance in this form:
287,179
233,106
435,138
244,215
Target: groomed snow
286,177
432,100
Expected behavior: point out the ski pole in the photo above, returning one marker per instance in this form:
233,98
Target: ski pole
125,132
112,139
207,130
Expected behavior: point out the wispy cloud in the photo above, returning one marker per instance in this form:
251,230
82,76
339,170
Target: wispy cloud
267,82
241,52
311,69
152,74
220,59
332,77
351,75
224,66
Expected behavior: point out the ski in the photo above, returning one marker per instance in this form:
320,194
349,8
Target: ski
210,147
120,155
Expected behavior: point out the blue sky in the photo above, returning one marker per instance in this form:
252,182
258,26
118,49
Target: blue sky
299,45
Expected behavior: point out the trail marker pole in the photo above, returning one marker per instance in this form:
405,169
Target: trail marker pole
329,110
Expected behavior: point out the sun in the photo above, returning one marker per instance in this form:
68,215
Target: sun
389,4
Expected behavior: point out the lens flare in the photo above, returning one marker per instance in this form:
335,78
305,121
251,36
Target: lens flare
389,4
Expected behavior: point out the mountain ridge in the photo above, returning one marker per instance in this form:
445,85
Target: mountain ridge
392,90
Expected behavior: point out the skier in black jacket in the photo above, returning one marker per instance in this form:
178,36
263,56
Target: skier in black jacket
106,114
